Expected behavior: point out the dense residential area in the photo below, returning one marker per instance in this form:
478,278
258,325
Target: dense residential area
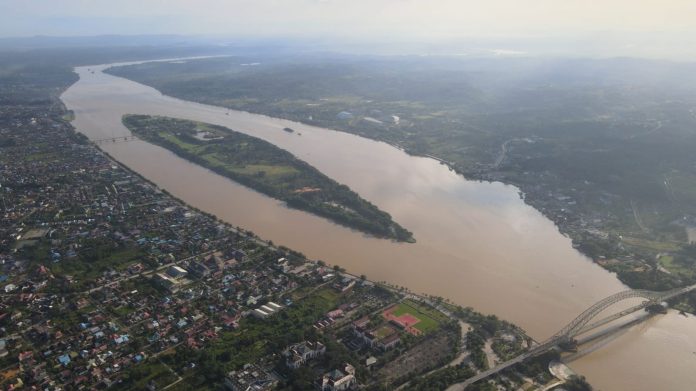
108,282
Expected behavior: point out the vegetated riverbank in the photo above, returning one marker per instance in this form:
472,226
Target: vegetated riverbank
268,169
618,183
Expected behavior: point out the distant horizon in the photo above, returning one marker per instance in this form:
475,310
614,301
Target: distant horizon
650,29
574,47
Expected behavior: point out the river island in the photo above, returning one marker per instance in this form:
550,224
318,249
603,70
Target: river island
268,169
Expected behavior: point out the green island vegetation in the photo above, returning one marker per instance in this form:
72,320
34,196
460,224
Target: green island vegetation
268,169
603,147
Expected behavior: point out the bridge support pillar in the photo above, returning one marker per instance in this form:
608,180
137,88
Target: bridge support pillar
656,308
569,345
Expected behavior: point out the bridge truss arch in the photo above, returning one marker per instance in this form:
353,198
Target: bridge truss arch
577,324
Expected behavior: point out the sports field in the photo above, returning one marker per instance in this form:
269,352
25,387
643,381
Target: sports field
415,318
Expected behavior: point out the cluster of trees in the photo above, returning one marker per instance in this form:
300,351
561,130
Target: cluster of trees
537,367
687,255
576,383
441,379
474,344
487,325
94,257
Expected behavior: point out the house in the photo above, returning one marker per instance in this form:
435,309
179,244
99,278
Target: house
136,269
372,360
361,323
344,115
344,285
388,342
335,314
199,270
327,277
360,326
298,354
64,360
25,356
267,310
172,284
338,379
176,272
250,378
383,337
238,255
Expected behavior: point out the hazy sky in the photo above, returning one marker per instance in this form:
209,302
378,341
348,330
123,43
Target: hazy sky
412,18
424,20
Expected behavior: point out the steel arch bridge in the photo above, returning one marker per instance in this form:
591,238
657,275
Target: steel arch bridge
582,324
576,325
579,324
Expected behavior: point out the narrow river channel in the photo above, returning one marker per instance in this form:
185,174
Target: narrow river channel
478,243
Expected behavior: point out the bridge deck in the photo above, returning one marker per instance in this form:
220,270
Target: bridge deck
120,139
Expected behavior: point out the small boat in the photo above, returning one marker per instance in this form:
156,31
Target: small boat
289,130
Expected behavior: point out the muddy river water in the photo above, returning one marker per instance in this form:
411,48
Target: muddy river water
478,243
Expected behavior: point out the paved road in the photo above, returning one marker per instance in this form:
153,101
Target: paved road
503,153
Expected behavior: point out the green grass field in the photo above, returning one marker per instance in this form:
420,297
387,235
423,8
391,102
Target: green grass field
667,261
384,331
140,376
652,245
275,171
430,318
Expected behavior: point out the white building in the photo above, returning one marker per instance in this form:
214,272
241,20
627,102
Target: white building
298,354
267,310
176,271
338,379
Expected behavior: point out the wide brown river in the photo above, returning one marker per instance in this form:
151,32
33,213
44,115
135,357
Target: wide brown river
478,243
